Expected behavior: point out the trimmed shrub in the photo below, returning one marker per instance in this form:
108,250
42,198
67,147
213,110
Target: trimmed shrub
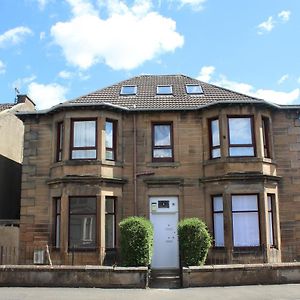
136,241
194,241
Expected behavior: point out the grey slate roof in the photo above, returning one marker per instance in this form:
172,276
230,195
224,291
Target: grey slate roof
4,106
146,98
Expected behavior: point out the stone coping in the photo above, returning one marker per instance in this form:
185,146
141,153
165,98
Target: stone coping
72,268
230,267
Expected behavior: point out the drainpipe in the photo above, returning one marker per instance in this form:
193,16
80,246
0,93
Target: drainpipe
134,165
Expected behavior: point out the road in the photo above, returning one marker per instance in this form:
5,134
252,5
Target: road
258,292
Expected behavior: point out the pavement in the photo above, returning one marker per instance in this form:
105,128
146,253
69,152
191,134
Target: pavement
255,292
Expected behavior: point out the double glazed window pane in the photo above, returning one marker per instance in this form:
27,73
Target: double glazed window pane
215,138
240,137
109,140
162,141
82,222
110,222
245,221
84,139
84,134
162,135
270,220
57,222
218,221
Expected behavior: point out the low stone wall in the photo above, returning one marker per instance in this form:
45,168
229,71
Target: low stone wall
74,276
224,275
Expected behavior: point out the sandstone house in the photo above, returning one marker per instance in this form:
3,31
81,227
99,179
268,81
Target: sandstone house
164,147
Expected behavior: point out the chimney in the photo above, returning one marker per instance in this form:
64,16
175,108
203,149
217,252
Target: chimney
23,99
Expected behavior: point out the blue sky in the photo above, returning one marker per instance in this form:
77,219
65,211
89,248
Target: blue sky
56,50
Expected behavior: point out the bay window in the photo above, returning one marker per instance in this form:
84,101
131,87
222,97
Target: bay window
245,221
218,221
82,222
214,138
84,139
241,136
162,141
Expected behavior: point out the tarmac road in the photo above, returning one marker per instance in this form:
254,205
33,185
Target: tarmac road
255,292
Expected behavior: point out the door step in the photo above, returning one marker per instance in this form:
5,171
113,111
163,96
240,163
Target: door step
165,278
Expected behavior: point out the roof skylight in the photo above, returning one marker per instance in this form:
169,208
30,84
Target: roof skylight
164,90
128,90
193,89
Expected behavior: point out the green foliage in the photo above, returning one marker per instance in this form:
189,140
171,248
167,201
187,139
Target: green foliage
136,241
194,241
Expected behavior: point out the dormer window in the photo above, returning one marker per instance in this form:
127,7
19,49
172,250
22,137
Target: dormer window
128,90
193,89
164,90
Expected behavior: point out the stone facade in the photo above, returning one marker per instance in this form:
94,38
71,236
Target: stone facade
134,177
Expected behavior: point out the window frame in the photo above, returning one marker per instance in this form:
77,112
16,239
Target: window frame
114,199
59,141
122,93
253,144
164,85
272,212
193,93
211,147
77,214
244,211
265,124
72,148
114,139
213,219
171,146
56,215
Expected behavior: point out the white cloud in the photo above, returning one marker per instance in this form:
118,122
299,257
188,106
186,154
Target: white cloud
269,25
42,35
46,95
2,67
266,94
278,97
65,74
42,4
194,4
21,82
205,73
266,26
284,15
125,40
14,36
82,7
283,78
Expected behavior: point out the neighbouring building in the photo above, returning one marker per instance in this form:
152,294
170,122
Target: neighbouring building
11,157
164,147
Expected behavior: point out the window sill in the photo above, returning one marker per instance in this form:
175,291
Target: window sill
163,164
239,159
70,250
81,162
112,163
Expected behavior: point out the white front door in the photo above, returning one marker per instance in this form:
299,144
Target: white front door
164,217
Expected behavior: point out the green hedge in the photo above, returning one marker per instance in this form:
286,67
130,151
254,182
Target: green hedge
136,241
194,241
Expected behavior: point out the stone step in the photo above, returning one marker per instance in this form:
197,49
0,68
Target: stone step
167,278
